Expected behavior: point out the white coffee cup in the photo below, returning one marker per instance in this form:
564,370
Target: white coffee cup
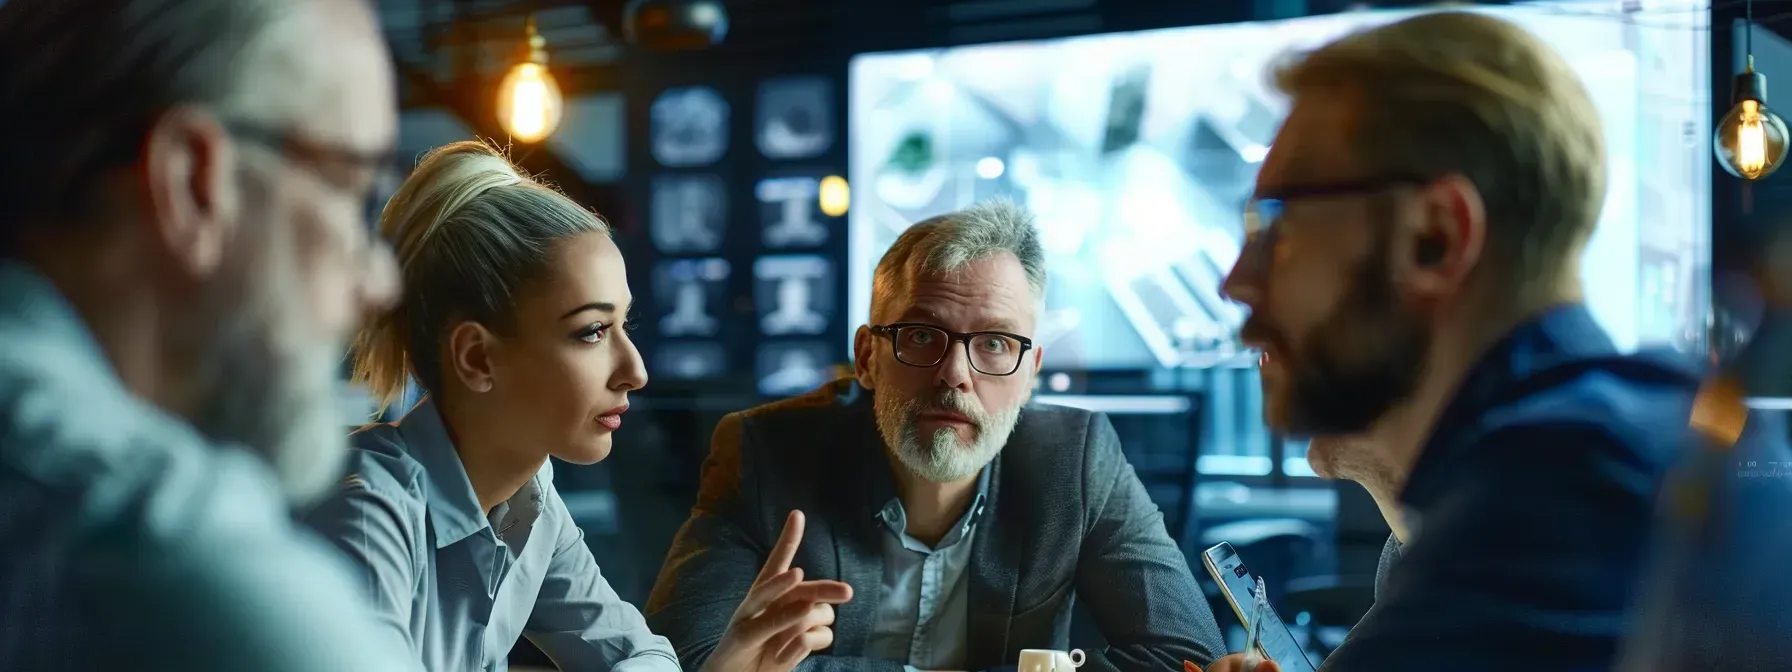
1048,660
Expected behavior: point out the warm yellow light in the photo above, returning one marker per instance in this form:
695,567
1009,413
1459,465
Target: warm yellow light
1751,140
529,103
836,196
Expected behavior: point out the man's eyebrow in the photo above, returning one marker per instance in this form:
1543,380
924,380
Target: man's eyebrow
999,325
918,314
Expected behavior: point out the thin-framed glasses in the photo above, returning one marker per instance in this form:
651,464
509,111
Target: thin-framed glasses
1263,213
991,353
374,174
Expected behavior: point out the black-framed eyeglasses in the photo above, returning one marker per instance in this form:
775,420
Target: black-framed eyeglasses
1264,212
991,353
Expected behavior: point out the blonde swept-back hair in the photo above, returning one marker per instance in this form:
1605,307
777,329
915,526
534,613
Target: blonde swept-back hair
469,230
1471,94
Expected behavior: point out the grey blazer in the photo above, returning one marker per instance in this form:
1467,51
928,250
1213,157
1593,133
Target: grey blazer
1070,519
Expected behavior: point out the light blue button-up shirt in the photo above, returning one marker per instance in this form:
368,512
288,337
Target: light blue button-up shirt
128,541
459,585
923,620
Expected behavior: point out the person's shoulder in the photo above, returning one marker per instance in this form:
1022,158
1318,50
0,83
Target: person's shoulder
382,484
791,424
1048,429
124,465
826,401
790,443
190,554
1059,440
1052,417
1634,407
232,597
69,425
380,461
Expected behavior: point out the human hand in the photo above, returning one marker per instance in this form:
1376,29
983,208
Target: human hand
1232,663
783,618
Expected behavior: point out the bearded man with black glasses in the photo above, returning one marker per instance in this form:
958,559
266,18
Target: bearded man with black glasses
1414,277
958,555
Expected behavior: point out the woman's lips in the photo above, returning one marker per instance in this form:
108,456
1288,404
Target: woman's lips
612,419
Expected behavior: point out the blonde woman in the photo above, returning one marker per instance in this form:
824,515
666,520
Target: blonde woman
512,321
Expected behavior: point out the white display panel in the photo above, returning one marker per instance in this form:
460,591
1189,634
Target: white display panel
1137,152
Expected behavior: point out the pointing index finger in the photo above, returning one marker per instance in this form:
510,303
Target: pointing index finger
784,551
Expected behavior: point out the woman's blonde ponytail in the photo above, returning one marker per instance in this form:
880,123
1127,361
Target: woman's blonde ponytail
445,181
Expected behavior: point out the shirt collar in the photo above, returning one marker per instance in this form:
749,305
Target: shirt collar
453,506
31,300
895,519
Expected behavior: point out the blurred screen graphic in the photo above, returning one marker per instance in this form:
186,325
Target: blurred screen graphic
1137,152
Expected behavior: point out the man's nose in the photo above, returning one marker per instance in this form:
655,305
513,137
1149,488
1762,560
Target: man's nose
954,370
1243,283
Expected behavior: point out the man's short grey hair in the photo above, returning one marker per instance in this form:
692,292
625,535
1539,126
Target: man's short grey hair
81,82
952,241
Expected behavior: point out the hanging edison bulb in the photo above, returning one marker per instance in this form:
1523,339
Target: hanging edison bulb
529,102
1750,141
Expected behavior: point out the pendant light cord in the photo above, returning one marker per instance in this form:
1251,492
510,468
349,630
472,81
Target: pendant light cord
1748,38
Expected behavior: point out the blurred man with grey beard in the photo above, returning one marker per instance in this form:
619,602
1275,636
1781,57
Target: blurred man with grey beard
181,260
965,523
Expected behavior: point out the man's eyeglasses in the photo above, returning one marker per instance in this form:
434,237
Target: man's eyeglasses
1263,213
376,173
992,353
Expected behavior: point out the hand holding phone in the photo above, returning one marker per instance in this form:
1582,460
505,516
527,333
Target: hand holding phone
1267,635
1253,641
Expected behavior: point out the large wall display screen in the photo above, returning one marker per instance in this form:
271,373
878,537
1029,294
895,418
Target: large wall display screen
1137,151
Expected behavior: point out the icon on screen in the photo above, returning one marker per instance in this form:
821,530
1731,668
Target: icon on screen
689,289
690,127
1240,571
795,117
787,368
794,294
790,211
689,213
691,360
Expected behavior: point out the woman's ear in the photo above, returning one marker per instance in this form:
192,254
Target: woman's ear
470,349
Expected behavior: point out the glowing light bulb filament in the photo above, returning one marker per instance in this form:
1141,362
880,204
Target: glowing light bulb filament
529,103
1751,140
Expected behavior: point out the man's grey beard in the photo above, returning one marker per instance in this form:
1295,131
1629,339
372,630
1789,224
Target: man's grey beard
270,385
278,402
943,457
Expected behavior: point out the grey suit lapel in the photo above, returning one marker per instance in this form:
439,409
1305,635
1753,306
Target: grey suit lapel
999,542
857,547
